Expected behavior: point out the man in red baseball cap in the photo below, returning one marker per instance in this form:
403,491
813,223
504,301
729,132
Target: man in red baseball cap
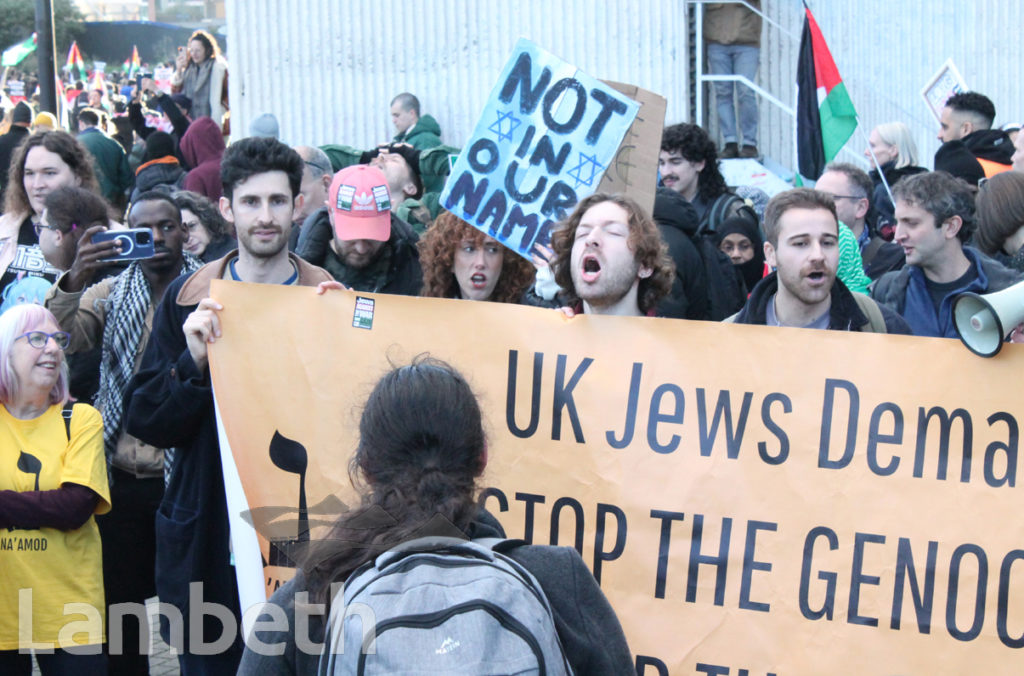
371,249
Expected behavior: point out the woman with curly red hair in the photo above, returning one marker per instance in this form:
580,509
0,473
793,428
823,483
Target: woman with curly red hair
460,261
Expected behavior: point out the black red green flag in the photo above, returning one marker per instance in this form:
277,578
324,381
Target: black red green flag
825,118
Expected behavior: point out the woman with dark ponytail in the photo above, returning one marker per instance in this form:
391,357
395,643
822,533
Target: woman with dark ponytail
421,450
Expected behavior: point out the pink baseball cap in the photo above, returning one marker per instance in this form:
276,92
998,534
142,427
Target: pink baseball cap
360,204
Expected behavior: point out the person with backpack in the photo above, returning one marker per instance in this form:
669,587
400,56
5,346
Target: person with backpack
805,291
688,164
507,607
53,481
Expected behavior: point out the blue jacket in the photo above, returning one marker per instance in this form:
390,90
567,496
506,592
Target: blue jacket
905,292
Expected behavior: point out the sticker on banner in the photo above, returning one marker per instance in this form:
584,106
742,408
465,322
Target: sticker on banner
362,318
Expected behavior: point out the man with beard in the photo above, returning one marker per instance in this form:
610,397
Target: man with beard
802,245
377,255
170,400
609,258
117,312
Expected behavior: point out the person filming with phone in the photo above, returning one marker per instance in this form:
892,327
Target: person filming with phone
201,74
117,312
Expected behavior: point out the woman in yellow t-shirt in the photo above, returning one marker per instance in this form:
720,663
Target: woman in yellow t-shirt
53,479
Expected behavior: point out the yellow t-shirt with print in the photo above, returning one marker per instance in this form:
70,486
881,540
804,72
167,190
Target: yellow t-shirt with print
56,567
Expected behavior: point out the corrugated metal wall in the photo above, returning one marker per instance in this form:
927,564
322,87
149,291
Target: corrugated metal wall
887,50
328,69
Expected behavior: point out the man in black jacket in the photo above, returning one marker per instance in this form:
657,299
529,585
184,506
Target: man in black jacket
803,246
358,240
170,403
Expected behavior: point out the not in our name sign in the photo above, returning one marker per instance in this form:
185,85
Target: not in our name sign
543,142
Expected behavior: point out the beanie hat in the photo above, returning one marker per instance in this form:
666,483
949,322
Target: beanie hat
265,125
158,144
22,113
45,119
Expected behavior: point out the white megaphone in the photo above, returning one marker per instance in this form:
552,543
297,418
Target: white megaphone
984,321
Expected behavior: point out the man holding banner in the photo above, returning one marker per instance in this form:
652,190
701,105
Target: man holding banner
170,401
610,259
803,247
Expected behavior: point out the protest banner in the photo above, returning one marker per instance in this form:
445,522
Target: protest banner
634,171
162,78
946,82
775,500
546,135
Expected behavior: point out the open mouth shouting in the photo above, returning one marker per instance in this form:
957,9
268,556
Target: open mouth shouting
478,281
590,268
817,277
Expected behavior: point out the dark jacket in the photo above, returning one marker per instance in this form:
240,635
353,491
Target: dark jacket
426,133
163,171
844,313
170,405
8,142
202,146
587,626
112,170
179,121
404,276
905,292
993,145
677,221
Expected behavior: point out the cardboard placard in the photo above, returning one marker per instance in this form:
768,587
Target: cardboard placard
634,171
543,141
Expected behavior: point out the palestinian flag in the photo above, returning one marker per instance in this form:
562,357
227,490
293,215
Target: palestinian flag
75,61
133,65
825,118
16,54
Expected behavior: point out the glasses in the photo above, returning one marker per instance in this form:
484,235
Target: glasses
39,227
38,339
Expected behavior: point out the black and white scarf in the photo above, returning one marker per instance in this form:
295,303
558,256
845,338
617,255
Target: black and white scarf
127,304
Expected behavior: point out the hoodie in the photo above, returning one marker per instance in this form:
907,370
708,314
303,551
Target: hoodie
202,146
992,148
677,221
426,133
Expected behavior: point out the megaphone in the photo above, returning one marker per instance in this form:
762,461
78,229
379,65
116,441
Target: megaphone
984,321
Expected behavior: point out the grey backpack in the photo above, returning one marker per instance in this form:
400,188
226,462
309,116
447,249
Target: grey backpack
442,605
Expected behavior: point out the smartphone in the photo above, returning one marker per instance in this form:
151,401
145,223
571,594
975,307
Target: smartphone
136,244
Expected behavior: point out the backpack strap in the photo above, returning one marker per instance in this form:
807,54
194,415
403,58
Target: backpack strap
67,412
871,249
876,320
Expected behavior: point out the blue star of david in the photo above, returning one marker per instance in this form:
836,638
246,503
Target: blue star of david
586,171
505,119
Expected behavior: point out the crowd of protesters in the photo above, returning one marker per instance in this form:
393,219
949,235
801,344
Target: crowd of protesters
882,248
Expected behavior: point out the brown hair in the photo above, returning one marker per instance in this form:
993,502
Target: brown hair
797,198
437,256
73,208
644,240
208,42
61,143
1000,205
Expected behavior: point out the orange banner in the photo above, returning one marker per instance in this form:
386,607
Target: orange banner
773,500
